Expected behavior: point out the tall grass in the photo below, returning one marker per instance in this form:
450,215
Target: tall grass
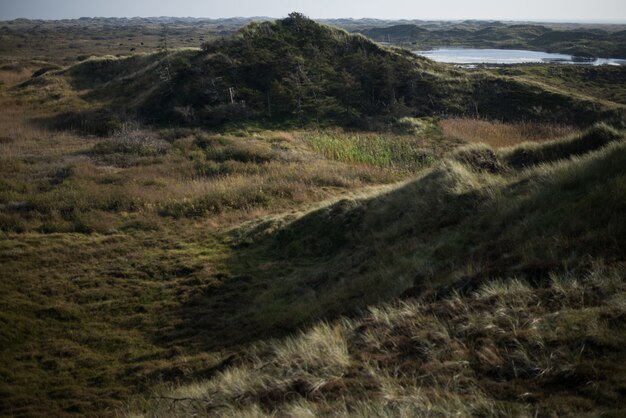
499,134
435,358
11,78
63,181
377,150
454,225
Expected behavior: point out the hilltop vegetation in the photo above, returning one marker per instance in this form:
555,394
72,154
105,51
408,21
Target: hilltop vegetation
295,72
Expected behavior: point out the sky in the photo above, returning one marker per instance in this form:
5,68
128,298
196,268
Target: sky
546,10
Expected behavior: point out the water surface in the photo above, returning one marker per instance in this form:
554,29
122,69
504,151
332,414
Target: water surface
509,56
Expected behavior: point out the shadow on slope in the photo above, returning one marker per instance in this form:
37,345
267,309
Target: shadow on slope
506,349
476,216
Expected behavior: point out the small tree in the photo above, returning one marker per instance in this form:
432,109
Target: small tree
165,72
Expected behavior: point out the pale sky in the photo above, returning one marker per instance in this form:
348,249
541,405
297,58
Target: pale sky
554,10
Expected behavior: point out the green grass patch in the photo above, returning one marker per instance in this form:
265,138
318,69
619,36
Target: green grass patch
377,150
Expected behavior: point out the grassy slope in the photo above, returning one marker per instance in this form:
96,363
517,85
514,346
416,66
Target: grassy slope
606,82
106,243
507,349
78,334
455,224
295,72
131,283
549,215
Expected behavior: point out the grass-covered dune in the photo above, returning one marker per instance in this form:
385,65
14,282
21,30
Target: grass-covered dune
604,82
164,216
511,267
525,211
297,72
507,349
125,267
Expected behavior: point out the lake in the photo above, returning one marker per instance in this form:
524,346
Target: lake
508,56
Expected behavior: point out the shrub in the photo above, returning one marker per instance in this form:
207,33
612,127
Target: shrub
129,148
99,122
133,144
479,158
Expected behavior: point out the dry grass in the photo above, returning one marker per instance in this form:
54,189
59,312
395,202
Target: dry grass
156,288
115,278
21,137
491,353
542,346
65,181
96,273
498,134
12,78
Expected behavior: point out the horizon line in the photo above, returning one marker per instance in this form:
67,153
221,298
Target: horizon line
540,20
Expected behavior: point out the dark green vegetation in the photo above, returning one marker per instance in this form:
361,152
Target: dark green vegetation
141,250
295,72
579,42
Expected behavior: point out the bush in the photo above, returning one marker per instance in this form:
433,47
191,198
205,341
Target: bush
99,122
129,148
479,158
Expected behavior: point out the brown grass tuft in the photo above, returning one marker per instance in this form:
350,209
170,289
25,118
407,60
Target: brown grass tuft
499,134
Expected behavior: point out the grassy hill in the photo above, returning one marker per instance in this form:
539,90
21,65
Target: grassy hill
295,72
516,262
179,217
456,225
603,82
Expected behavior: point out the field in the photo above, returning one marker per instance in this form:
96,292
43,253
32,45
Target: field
293,261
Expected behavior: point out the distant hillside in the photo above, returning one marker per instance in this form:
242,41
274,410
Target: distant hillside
583,42
70,40
601,81
296,71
